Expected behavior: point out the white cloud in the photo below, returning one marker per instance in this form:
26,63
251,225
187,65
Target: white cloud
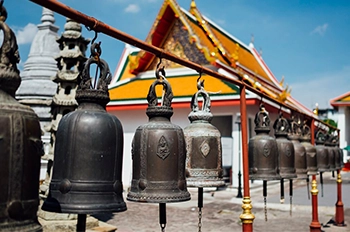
132,8
321,88
26,34
321,29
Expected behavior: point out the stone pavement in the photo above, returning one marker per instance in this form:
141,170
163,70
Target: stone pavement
222,209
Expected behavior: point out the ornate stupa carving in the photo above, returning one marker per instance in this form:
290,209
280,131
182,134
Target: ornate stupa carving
37,88
70,62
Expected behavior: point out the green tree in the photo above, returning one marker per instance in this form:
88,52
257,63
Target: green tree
332,123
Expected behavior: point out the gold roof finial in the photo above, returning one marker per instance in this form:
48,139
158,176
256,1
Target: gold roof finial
315,111
252,39
193,4
282,81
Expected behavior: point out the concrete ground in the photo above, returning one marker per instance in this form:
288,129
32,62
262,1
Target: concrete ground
222,209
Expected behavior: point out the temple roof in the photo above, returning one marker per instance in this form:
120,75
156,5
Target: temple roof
342,100
192,36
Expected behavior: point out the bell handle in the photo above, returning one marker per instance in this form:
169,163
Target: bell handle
206,101
103,79
262,118
168,93
281,124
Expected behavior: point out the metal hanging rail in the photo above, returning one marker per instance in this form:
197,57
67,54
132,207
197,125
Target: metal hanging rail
99,26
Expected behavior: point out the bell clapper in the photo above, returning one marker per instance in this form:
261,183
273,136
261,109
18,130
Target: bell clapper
308,187
265,196
81,224
282,191
290,196
200,206
321,180
162,216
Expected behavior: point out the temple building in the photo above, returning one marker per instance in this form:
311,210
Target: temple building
192,36
37,89
342,105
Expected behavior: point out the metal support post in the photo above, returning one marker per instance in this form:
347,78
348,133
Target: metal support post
339,206
247,217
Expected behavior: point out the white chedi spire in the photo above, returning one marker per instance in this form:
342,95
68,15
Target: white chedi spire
47,16
37,89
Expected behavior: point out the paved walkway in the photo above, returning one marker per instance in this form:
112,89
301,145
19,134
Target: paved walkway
222,209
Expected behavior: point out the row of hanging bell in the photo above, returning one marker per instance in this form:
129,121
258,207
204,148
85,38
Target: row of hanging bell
87,171
263,153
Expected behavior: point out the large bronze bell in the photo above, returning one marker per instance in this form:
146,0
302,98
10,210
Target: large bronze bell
322,156
262,150
203,143
20,145
286,165
299,150
339,154
321,152
159,153
311,158
285,147
87,169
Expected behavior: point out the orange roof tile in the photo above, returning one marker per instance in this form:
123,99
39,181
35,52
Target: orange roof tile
137,88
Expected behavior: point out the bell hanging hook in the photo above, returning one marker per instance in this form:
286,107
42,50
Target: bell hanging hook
200,83
160,72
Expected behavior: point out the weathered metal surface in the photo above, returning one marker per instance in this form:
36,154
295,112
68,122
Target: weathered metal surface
263,150
285,147
311,159
89,151
159,152
20,144
299,150
321,152
338,154
331,152
203,143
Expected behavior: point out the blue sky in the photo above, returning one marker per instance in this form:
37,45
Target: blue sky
307,41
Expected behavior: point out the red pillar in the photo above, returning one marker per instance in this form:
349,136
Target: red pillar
247,217
315,225
339,206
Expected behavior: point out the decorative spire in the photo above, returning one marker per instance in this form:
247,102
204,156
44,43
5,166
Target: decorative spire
193,4
72,29
251,44
47,16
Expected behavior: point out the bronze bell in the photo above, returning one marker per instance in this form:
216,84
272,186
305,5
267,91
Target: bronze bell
285,149
339,154
299,150
321,152
311,158
331,152
87,171
159,153
20,145
203,143
262,149
322,156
